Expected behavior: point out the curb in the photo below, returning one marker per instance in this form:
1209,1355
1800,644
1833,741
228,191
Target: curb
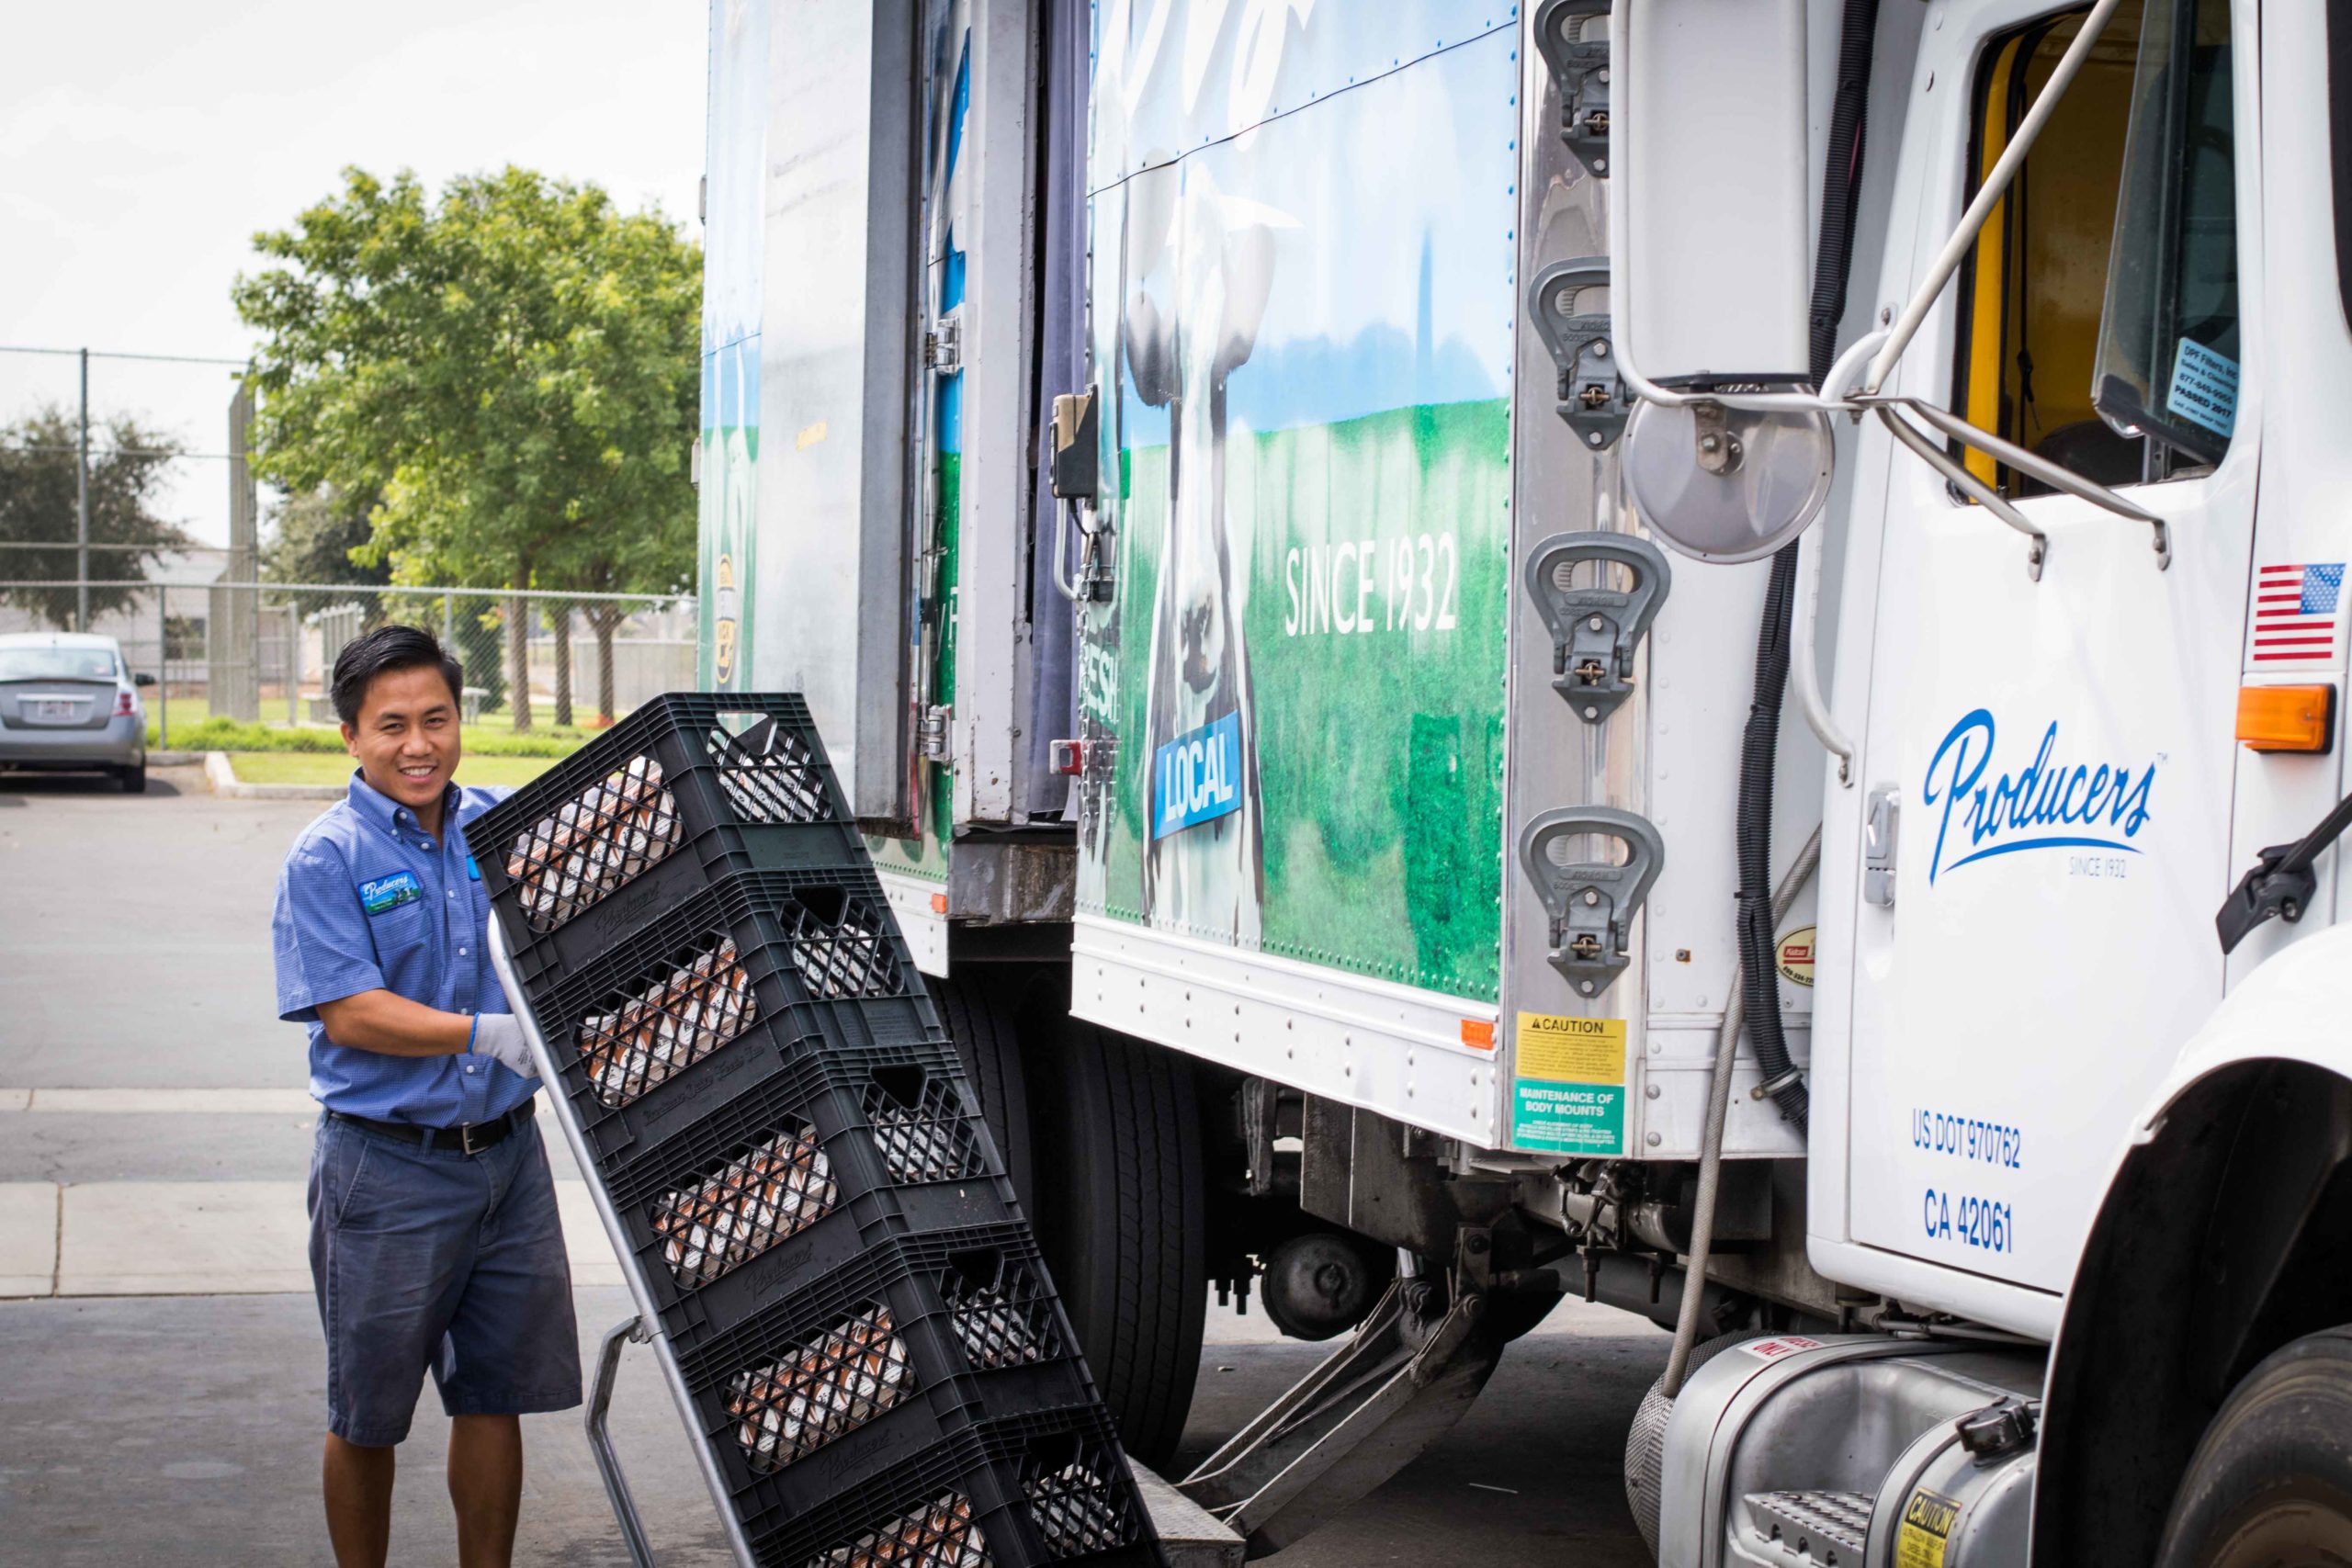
173,759
225,782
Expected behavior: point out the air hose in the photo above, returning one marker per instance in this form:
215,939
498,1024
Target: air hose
1833,260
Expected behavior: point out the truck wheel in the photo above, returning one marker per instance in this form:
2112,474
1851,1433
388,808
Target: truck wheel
2270,1485
980,1015
1123,1218
1101,1136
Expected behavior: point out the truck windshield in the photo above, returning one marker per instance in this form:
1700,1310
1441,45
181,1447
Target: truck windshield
2169,347
56,664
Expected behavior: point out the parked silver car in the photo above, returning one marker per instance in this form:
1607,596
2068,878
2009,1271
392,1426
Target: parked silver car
67,701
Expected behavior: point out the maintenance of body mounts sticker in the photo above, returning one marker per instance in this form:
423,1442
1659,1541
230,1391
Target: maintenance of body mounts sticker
387,892
1196,777
1925,1530
1568,1085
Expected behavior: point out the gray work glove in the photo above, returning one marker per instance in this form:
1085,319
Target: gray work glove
499,1036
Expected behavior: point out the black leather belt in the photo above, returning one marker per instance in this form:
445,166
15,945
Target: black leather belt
471,1138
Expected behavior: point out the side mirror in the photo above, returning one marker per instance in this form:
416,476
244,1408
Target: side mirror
142,679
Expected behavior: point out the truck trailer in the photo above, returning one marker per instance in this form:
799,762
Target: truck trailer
1682,652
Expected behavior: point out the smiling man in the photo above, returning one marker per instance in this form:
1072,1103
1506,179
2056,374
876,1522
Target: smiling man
434,1244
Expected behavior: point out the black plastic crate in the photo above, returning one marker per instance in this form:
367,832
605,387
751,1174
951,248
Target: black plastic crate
649,1029
686,787
800,1175
1049,1486
871,1365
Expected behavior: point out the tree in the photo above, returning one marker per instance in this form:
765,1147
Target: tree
315,536
38,506
511,369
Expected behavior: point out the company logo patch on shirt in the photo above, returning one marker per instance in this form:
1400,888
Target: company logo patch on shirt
387,893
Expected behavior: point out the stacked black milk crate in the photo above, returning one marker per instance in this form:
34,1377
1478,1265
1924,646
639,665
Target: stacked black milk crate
874,1352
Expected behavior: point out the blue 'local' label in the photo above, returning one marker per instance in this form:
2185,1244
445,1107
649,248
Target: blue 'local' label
390,892
1197,776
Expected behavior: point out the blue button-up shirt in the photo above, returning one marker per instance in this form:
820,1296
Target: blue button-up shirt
370,900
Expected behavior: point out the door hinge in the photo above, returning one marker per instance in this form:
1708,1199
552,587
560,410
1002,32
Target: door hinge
1595,629
932,737
1580,68
1592,396
1592,903
943,346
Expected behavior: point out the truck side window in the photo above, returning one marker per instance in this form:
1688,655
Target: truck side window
2169,346
2029,295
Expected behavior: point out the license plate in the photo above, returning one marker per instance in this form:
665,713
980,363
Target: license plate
60,710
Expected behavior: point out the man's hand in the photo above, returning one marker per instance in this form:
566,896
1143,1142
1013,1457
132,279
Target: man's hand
499,1036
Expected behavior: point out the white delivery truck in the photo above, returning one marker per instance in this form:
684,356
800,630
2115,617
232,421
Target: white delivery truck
1300,520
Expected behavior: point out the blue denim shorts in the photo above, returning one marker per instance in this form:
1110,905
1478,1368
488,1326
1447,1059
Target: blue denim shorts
432,1260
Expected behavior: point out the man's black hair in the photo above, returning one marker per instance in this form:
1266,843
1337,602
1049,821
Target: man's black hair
386,649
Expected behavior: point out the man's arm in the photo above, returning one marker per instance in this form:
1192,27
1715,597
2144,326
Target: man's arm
393,1025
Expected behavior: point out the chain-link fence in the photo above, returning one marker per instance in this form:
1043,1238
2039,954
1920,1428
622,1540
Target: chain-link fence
262,653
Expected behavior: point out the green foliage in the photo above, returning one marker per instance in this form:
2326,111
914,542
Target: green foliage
38,506
511,367
316,534
233,735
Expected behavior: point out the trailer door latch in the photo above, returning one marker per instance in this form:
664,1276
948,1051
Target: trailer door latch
1596,628
1580,67
1592,903
1591,394
931,739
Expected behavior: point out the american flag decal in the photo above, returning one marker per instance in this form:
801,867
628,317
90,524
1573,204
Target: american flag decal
2294,612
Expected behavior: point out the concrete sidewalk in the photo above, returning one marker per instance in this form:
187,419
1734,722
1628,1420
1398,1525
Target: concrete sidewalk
199,1238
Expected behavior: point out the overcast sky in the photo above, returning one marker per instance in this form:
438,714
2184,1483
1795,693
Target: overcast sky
142,143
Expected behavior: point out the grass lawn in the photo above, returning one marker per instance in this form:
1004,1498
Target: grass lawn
314,767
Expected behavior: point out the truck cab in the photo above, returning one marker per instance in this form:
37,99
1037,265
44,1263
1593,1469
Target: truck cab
1607,648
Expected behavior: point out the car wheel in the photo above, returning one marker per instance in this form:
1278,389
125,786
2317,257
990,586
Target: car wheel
134,777
2270,1485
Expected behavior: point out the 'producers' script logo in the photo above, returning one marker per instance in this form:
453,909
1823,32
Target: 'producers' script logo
2045,805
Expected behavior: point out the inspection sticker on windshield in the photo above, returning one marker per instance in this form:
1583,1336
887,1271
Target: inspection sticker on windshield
1568,1085
2204,386
1925,1530
391,892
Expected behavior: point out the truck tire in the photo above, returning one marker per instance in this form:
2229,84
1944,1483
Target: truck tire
1122,1215
2271,1485
1101,1136
979,1013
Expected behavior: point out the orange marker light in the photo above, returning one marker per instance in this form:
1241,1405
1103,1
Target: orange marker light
2286,718
1478,1033
939,903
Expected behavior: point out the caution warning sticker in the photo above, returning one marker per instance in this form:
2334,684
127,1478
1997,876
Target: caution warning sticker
1568,1085
1925,1530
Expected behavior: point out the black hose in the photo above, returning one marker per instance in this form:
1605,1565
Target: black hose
1833,261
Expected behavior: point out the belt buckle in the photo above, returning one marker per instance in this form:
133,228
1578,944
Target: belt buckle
466,1143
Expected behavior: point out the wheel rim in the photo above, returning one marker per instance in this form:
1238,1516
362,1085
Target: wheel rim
2301,1524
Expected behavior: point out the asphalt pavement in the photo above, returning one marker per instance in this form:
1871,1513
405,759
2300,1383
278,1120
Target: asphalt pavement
165,1391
